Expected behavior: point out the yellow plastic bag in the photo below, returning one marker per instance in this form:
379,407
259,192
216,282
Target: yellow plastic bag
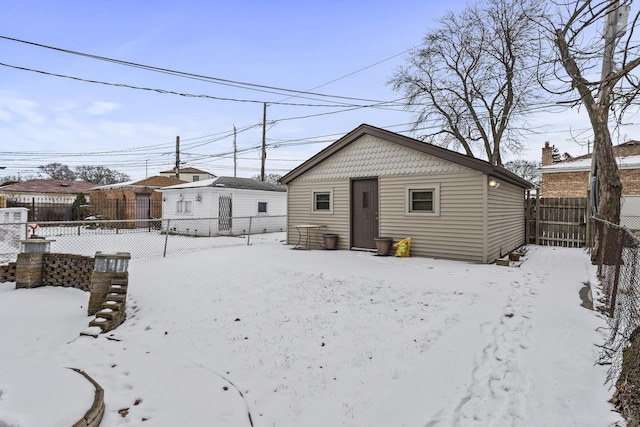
403,247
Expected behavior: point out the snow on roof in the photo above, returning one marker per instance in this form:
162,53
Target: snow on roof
116,185
628,162
151,182
230,182
196,184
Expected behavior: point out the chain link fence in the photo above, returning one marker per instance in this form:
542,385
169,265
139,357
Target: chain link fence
148,238
632,222
618,261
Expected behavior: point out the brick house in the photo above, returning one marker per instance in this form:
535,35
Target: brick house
132,199
570,178
46,199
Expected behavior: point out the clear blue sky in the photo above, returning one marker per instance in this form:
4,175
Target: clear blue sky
345,48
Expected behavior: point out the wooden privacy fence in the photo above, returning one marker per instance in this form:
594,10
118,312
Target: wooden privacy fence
557,221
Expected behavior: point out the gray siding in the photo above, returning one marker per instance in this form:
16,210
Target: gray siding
474,223
457,233
299,210
506,220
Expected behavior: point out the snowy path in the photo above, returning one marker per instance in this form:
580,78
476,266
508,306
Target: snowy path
499,382
514,380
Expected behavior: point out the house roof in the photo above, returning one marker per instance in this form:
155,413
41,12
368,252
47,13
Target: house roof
430,149
49,186
627,157
187,170
231,182
151,182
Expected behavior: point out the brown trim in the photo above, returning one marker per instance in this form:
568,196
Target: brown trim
430,149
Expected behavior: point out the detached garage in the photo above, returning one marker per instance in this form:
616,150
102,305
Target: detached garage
373,183
224,206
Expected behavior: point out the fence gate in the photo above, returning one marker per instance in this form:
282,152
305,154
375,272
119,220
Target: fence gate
143,209
224,214
557,221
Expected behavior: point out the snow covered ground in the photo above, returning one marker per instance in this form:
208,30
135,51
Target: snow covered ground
266,336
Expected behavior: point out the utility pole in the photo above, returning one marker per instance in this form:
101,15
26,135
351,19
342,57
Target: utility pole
235,151
177,157
264,140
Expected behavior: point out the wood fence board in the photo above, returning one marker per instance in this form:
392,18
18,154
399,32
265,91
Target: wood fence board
557,221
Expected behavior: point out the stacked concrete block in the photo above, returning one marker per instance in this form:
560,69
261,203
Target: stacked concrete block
67,270
101,287
29,270
93,416
113,311
8,272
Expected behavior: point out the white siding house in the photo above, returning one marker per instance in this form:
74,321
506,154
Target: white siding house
224,205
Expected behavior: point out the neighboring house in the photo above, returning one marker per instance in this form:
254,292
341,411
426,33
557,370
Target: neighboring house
45,191
189,174
13,227
373,182
235,204
570,178
130,200
47,199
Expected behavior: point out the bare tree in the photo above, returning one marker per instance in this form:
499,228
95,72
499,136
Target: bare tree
526,169
579,50
100,175
58,171
473,78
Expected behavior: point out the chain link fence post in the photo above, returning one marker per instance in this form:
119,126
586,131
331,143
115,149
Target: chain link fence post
166,238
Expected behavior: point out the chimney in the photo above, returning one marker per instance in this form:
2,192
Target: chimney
547,154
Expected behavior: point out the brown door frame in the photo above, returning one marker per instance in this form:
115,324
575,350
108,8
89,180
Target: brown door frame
374,216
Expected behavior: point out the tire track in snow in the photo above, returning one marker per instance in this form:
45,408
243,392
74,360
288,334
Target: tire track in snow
494,396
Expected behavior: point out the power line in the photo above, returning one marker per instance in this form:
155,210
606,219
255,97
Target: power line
227,82
187,95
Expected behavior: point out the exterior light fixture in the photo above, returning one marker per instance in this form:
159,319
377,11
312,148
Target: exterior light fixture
198,197
493,183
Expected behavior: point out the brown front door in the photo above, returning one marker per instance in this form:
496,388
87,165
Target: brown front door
143,209
364,212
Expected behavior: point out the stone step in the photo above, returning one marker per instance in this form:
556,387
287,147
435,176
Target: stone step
106,313
114,296
101,322
113,305
118,289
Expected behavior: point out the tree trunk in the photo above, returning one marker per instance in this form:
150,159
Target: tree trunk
610,187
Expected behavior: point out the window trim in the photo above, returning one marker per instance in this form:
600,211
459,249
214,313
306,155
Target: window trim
427,186
266,208
314,193
183,205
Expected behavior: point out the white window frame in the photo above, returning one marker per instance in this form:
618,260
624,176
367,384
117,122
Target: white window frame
316,192
184,207
429,186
